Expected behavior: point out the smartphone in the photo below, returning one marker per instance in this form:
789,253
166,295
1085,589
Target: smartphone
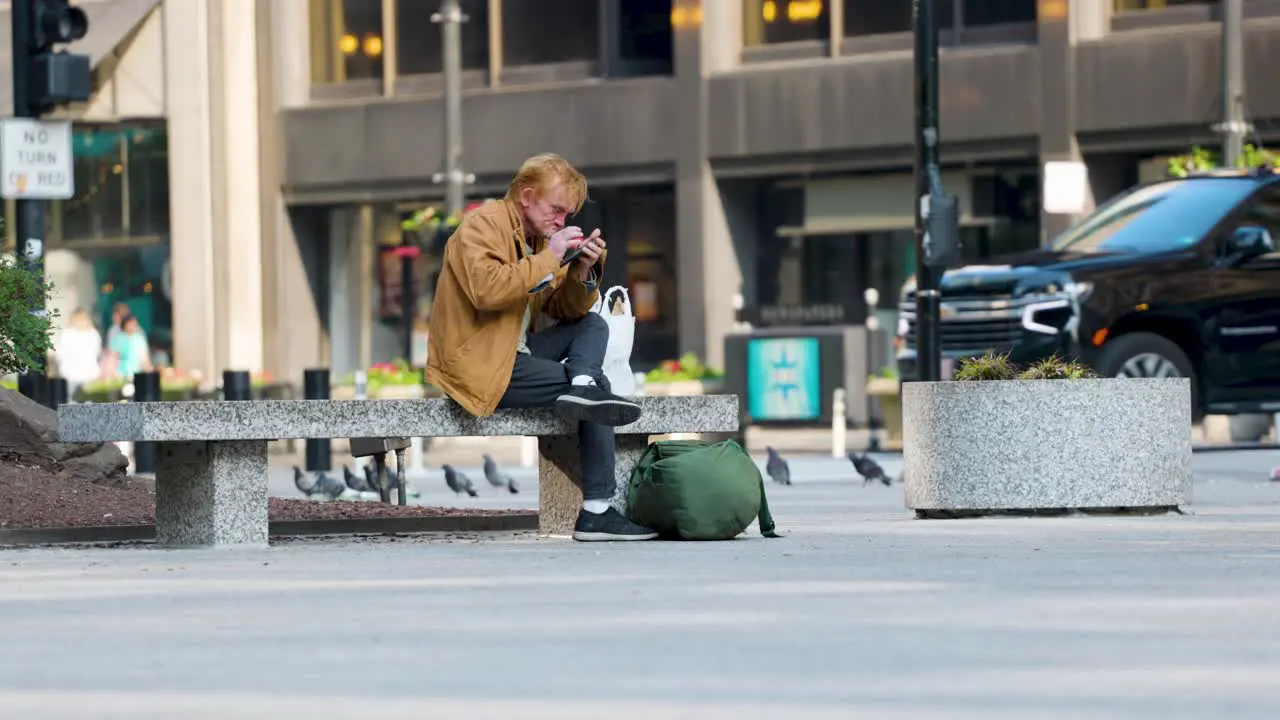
570,256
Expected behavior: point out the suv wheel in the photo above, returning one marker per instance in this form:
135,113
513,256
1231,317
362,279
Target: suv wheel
1147,355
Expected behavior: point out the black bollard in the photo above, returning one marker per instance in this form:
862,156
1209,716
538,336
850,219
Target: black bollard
315,386
146,388
32,384
55,392
236,385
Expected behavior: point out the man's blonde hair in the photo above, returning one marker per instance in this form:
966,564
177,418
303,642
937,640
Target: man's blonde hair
541,170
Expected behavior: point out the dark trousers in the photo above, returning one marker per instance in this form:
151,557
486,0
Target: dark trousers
539,378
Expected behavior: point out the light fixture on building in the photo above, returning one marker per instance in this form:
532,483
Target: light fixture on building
146,288
769,11
372,45
683,17
348,44
799,11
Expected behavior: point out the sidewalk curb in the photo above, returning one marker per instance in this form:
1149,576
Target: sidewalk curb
285,528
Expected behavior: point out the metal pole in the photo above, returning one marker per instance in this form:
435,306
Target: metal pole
1234,126
408,252
928,297
451,18
28,214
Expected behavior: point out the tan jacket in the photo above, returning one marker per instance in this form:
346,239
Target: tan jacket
480,301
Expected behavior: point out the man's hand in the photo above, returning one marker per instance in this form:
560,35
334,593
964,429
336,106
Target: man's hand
592,249
565,240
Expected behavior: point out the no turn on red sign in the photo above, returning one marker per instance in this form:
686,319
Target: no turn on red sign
35,159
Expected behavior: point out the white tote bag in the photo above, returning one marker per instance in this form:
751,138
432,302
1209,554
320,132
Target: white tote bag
622,334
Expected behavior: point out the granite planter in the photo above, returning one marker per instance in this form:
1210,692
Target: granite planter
1046,446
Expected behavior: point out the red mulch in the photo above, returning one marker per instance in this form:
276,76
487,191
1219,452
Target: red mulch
32,497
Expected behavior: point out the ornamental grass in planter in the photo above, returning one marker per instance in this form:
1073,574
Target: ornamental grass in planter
1051,437
685,376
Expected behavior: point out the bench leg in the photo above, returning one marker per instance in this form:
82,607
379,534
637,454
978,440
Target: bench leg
560,479
211,493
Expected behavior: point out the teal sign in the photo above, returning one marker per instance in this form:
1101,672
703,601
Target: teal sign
783,380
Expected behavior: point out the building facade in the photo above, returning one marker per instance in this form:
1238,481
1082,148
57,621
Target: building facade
750,160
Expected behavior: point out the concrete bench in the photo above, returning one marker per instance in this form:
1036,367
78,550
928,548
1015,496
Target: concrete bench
211,466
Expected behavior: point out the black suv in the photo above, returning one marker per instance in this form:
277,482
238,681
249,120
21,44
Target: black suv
1175,278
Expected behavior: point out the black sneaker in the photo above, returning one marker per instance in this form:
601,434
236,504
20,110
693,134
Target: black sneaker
608,526
595,404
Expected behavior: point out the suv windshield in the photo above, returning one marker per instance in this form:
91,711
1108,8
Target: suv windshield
1168,215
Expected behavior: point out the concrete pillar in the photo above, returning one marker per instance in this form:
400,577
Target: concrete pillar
211,84
1061,24
188,85
294,333
708,39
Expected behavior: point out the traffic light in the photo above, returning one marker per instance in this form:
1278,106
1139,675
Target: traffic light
52,77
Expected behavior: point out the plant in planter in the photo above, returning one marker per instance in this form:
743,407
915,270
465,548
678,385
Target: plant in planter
1048,438
685,376
104,390
176,385
395,379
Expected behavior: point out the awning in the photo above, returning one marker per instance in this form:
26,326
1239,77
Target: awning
110,21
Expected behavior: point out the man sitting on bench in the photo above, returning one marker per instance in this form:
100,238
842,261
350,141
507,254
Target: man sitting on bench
507,264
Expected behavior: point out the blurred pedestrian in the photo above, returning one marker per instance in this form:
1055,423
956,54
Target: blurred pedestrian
77,351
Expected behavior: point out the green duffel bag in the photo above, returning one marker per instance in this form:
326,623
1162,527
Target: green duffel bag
695,490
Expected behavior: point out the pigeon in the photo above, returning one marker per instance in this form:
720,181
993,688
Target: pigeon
496,477
778,469
306,485
869,469
458,481
354,481
331,487
512,487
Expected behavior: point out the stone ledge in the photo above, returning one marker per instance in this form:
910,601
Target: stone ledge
307,419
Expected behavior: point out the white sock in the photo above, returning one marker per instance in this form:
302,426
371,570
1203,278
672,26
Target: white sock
595,507
584,380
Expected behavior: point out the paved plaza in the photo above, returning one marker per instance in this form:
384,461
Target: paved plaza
862,612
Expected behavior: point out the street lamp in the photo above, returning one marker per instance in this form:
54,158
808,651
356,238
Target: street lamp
937,223
872,297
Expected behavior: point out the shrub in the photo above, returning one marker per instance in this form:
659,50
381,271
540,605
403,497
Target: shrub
25,339
1054,368
989,366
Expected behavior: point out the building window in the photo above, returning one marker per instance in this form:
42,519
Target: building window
346,40
535,32
766,22
996,12
646,32
109,244
121,182
418,43
878,17
1136,5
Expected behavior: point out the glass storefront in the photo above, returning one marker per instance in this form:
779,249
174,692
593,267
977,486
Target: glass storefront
346,40
1137,5
347,36
108,245
819,277
577,34
766,22
783,21
418,41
